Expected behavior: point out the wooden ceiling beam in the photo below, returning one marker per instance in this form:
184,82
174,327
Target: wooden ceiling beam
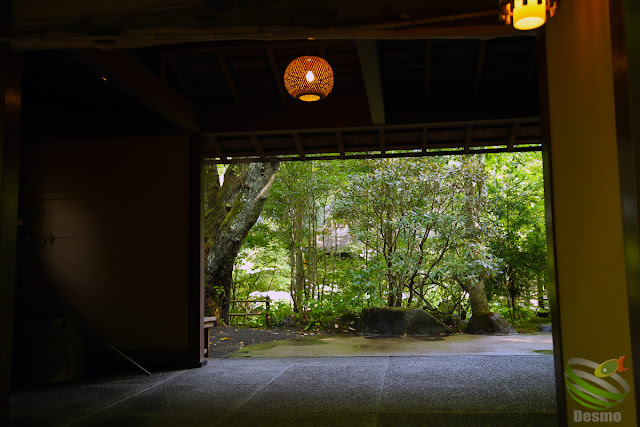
279,78
228,77
370,64
378,141
125,72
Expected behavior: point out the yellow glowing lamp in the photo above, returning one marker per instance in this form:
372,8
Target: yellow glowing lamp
308,78
527,14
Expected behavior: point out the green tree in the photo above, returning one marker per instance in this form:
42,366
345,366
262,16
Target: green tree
232,207
422,217
517,204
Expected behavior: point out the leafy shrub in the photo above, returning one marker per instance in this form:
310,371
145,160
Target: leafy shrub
278,311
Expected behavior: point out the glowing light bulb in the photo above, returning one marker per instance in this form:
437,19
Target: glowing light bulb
529,16
310,76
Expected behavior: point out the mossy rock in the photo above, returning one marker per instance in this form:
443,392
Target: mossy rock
399,321
489,324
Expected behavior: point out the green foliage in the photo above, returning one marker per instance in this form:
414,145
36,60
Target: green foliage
517,208
422,231
279,311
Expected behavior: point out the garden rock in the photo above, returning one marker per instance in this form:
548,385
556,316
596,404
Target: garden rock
489,324
289,322
545,327
399,321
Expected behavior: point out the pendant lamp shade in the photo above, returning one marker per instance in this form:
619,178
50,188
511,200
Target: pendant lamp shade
527,14
308,78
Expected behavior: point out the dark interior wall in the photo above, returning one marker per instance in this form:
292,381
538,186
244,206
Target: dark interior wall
106,241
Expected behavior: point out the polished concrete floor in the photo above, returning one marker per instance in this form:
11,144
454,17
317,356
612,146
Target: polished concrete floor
460,390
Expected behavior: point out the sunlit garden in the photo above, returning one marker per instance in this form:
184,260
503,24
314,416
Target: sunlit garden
458,236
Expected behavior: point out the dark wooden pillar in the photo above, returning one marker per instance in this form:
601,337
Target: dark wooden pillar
625,41
196,253
10,103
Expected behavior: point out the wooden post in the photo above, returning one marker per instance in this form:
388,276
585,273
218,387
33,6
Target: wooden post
10,105
267,308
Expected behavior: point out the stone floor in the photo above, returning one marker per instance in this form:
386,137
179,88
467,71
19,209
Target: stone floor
436,390
446,345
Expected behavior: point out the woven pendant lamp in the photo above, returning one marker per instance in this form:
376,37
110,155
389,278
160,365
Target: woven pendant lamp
308,78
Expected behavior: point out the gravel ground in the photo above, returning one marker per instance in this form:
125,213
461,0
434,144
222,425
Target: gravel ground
224,340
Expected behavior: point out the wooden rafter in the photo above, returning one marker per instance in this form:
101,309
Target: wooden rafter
512,136
124,71
228,77
382,141
383,148
368,55
277,76
218,148
467,139
258,147
183,84
299,147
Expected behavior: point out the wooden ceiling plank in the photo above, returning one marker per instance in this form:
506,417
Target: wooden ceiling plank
228,77
427,66
258,146
383,147
279,78
482,54
340,144
299,147
370,64
137,81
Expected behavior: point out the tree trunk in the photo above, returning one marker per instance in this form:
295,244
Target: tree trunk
477,297
299,287
540,292
232,210
474,196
